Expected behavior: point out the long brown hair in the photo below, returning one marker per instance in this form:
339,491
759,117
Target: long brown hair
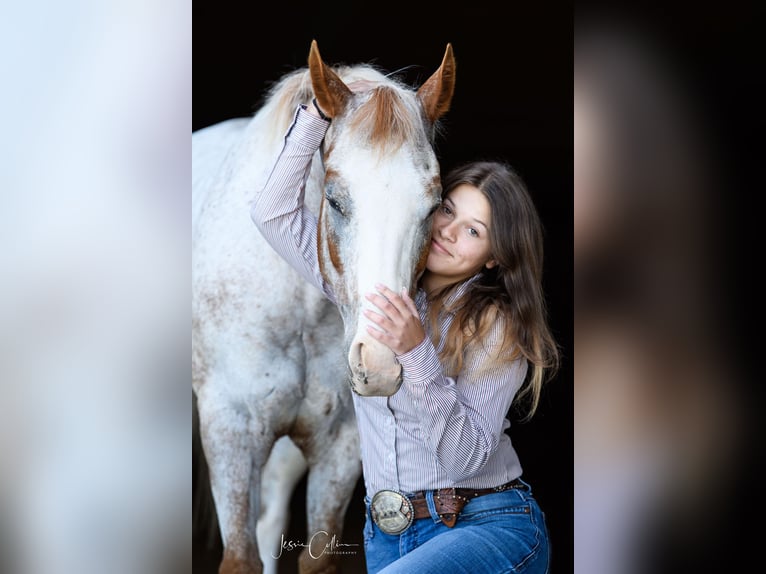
511,291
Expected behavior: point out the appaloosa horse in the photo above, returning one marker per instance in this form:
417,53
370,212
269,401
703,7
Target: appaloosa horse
272,358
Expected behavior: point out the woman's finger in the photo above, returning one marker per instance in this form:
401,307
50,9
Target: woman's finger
385,306
409,303
376,318
379,335
394,299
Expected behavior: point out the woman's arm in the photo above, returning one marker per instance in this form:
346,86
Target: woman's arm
463,418
278,210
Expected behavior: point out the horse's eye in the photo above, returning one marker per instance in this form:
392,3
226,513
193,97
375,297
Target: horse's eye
335,205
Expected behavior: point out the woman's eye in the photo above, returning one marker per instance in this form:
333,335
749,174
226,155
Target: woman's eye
446,210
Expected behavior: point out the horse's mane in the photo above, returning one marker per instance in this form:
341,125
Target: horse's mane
386,120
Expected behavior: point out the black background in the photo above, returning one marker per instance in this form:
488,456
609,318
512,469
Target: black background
513,101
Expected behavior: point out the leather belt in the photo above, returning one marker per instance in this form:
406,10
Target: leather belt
449,502
394,513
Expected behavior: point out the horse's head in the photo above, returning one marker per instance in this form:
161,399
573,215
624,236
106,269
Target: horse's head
381,187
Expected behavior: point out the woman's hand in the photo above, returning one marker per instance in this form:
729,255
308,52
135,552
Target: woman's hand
313,108
398,322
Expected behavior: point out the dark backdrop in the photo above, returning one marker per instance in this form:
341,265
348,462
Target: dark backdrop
513,101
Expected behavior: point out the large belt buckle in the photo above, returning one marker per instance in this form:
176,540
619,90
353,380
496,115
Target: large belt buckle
392,511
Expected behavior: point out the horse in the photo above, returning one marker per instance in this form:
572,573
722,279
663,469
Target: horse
276,366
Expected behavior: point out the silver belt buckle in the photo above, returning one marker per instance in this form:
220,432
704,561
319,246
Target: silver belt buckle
392,511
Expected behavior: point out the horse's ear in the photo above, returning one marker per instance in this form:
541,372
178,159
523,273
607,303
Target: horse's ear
330,91
436,93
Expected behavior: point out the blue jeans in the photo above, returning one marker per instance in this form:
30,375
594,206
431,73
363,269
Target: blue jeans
497,533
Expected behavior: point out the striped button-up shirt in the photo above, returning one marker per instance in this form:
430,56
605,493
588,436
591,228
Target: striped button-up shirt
436,431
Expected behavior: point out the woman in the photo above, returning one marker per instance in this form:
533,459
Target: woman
465,344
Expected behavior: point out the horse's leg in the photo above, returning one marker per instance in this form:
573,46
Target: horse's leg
285,467
204,520
334,469
234,460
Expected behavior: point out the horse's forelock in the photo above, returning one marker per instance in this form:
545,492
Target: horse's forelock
387,119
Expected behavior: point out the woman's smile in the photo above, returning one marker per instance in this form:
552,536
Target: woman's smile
439,248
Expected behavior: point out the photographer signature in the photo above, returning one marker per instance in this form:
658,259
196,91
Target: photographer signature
317,545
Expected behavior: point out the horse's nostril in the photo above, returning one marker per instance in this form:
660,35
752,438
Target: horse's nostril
357,357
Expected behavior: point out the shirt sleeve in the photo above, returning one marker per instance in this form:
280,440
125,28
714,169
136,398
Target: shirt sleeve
463,417
278,211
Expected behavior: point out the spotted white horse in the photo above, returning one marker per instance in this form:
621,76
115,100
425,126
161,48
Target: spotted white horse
272,358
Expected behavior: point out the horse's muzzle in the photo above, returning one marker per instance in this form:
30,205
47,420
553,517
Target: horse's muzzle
375,372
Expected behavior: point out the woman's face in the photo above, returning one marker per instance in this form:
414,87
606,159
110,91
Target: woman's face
460,244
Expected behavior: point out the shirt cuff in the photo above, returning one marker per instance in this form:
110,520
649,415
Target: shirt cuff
308,129
420,364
